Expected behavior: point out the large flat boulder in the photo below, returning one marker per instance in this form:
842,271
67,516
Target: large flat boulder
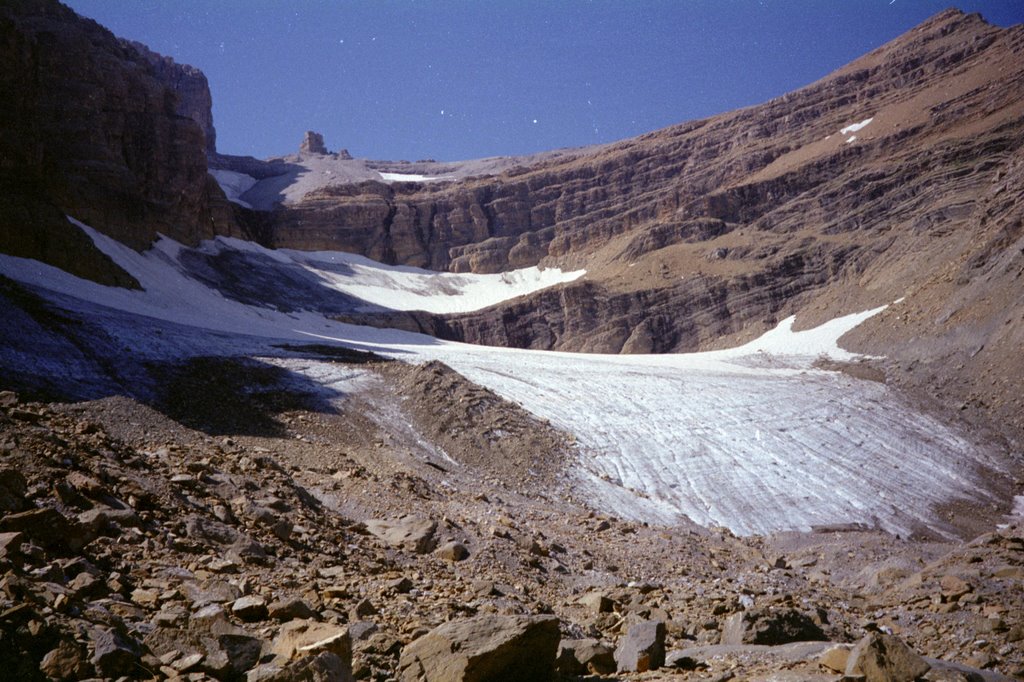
484,649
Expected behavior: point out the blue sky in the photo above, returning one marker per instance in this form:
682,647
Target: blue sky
457,79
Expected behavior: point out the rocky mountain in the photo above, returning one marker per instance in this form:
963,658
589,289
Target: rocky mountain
202,479
896,177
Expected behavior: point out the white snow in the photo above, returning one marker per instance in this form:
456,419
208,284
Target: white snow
752,438
410,177
851,139
854,127
234,184
406,288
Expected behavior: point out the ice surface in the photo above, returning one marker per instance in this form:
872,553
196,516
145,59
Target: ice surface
234,184
752,438
410,177
854,127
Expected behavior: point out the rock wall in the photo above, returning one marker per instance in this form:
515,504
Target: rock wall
191,87
93,128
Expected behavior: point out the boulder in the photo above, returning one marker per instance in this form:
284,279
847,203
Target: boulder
114,654
291,609
250,609
885,658
642,649
411,533
583,657
299,638
13,487
488,648
771,626
323,667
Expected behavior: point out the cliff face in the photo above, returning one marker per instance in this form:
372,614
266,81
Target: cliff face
93,128
190,86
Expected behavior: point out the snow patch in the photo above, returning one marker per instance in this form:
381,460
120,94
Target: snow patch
406,288
411,177
854,127
234,185
851,139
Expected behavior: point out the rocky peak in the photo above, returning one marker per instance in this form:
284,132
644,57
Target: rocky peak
313,143
189,84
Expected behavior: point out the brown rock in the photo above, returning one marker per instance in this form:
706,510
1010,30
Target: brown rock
885,658
452,551
584,656
485,648
65,662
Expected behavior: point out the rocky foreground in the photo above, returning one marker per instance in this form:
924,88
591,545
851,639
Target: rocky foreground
271,541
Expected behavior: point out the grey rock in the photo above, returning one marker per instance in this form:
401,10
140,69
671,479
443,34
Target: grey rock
290,609
642,649
114,654
411,533
584,656
770,626
250,609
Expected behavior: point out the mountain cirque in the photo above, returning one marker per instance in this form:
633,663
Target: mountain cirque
709,232
220,521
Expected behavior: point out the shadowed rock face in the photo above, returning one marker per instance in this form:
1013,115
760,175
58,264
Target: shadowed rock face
97,128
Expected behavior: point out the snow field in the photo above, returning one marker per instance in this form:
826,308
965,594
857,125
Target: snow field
751,438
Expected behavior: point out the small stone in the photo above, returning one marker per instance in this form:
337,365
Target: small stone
596,602
364,609
452,551
291,609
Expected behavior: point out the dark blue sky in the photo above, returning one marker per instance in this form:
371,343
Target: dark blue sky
458,79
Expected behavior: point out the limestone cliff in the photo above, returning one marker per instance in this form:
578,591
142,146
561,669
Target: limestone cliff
92,127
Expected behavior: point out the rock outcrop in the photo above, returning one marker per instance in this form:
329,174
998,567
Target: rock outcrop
313,143
94,128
